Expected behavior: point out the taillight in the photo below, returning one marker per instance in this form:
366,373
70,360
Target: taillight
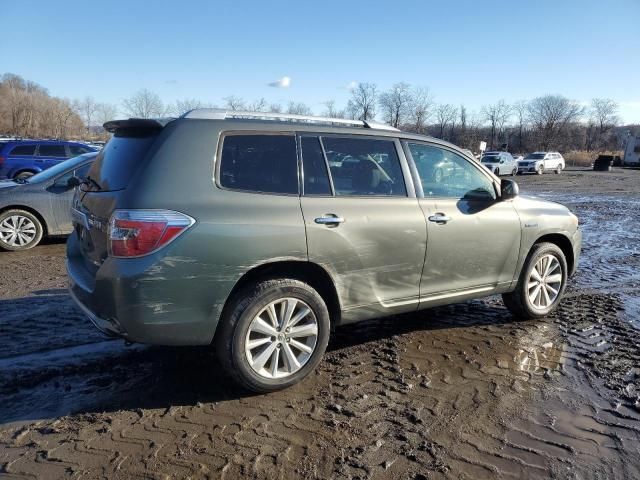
133,233
1,159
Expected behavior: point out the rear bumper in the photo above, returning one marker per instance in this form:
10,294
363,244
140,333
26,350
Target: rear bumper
144,300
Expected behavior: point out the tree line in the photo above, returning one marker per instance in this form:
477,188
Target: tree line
543,123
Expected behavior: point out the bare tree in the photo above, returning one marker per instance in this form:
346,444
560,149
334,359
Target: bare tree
86,108
445,114
180,107
519,110
497,115
105,112
144,104
298,108
275,108
331,111
421,108
362,104
259,105
234,103
396,103
550,115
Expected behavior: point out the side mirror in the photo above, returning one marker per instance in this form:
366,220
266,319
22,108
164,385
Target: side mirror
73,182
508,189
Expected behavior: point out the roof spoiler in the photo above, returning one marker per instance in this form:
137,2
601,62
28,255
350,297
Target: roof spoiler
137,124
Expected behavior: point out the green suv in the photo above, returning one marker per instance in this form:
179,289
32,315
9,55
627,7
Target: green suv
258,233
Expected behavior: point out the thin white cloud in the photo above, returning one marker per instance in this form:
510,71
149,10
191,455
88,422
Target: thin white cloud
634,104
351,85
284,82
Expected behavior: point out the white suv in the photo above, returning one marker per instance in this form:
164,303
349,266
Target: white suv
540,162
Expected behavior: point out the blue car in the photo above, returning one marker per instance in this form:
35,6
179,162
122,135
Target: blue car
21,159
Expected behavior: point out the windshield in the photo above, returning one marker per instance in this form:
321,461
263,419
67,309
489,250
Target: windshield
490,158
60,168
534,156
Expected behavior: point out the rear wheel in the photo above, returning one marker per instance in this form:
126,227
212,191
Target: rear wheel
541,283
559,169
23,175
274,334
19,230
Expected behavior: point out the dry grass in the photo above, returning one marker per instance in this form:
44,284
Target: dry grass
582,158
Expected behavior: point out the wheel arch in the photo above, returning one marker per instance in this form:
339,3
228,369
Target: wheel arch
20,170
32,211
308,272
562,242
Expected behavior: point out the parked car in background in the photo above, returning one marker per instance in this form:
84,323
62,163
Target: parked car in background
632,151
500,163
24,158
518,157
540,162
298,225
39,206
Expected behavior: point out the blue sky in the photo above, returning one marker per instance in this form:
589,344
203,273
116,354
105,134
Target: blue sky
466,52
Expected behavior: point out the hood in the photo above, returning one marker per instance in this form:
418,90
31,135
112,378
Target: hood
6,185
531,202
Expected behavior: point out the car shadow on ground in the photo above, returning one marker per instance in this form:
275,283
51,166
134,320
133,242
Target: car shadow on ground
59,364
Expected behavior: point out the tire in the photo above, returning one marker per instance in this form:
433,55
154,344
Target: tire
19,230
540,170
238,327
23,175
514,172
558,169
438,175
497,171
519,301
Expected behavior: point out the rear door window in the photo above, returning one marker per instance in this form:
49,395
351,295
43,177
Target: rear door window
45,150
259,163
364,166
24,150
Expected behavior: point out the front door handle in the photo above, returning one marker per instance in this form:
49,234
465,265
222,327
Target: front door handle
440,218
329,219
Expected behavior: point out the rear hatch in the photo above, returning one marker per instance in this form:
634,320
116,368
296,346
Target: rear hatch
116,164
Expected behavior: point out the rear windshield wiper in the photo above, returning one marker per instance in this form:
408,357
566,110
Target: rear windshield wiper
91,181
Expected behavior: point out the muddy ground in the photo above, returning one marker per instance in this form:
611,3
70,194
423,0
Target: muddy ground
464,391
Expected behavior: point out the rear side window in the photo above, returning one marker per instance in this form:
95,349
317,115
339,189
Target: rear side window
362,166
76,150
52,151
121,158
316,178
259,163
27,150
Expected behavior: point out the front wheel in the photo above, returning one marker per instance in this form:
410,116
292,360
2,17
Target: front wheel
19,230
514,172
497,171
273,334
541,283
540,169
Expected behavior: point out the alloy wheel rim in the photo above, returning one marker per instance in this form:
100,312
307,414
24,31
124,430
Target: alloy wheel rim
17,231
281,338
545,281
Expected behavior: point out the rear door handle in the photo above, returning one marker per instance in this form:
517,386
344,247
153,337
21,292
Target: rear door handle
329,219
439,218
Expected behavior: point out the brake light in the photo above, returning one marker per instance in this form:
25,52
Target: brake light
133,233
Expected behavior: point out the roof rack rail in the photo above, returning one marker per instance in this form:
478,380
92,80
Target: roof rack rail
222,114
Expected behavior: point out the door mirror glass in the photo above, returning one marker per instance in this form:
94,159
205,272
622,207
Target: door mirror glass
508,189
73,182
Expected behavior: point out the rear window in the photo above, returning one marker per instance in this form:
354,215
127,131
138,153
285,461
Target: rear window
120,159
259,163
28,150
